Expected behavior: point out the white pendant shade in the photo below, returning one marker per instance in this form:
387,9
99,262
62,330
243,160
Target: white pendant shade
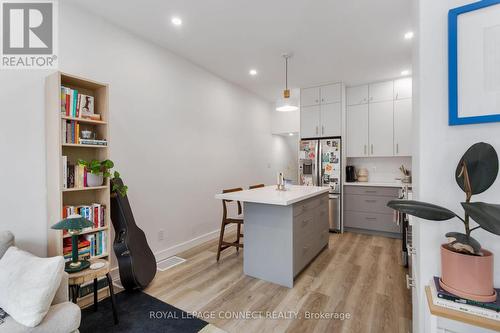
287,104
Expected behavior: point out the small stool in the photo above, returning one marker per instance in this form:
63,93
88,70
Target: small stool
75,280
229,220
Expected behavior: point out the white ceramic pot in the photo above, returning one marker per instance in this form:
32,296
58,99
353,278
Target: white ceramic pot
94,180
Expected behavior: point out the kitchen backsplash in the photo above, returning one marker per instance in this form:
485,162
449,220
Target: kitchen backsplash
381,169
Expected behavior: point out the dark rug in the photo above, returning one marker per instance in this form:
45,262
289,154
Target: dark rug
138,312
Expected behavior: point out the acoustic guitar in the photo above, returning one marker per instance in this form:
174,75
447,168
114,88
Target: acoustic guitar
136,262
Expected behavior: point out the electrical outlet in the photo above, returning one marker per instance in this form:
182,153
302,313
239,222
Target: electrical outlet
161,235
269,165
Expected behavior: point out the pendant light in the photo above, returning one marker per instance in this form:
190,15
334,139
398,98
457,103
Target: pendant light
286,103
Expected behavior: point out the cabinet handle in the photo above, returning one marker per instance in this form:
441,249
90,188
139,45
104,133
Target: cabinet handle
322,129
316,130
410,282
365,149
371,218
411,249
397,148
371,201
368,191
397,95
372,148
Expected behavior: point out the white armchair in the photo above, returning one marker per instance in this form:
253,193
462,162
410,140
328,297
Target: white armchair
63,316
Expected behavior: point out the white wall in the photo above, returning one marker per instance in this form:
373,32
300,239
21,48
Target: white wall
381,169
439,147
286,155
179,134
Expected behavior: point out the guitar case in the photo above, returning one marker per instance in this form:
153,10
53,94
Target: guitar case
136,262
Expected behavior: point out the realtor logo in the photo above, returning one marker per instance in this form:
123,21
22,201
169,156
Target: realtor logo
28,34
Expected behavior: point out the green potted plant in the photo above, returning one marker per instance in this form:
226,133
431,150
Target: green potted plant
97,171
466,268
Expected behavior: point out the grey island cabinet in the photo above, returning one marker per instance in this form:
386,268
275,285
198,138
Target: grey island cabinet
284,230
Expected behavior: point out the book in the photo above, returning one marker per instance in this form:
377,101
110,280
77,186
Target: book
441,293
63,100
470,309
65,172
93,142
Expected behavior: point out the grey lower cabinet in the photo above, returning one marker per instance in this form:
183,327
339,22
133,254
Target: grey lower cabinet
280,241
310,231
365,210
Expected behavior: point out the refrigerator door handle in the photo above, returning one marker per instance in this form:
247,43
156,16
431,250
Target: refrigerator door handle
317,173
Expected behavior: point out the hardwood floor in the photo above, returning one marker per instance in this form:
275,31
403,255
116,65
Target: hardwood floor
359,276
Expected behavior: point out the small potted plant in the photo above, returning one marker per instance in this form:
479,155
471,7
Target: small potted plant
97,171
466,268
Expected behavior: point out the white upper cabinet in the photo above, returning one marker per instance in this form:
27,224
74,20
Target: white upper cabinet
381,91
381,128
331,119
331,93
357,95
357,130
309,96
402,88
310,121
402,127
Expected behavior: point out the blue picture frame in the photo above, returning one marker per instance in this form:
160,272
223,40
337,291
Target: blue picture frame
453,14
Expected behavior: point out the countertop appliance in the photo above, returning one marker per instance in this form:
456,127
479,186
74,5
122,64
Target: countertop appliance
320,164
350,174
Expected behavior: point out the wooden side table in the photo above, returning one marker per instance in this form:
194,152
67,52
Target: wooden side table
75,280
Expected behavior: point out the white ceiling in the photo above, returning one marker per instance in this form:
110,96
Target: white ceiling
331,40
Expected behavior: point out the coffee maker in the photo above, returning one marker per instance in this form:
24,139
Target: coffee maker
350,174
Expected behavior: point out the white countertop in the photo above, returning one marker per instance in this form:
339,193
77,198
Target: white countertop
269,195
379,184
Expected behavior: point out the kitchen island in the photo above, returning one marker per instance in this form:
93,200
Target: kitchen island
283,230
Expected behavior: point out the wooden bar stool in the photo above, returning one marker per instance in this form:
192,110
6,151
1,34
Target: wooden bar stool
229,220
256,186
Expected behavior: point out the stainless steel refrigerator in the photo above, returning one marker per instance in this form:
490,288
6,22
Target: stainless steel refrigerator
320,164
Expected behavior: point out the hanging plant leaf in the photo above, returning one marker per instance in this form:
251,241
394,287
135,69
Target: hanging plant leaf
464,239
486,215
481,160
422,210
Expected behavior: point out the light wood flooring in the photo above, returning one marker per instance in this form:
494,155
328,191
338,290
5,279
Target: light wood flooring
359,275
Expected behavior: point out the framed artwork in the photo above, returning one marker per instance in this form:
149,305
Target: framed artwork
474,63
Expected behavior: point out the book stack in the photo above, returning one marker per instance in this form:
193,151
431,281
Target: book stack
94,212
76,105
74,176
70,131
448,300
89,246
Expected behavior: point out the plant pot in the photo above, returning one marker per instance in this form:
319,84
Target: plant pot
467,276
94,180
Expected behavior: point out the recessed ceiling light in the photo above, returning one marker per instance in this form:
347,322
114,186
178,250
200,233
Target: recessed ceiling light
409,35
253,72
405,72
176,21
291,134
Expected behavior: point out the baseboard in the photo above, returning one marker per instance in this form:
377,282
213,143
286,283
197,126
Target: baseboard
181,247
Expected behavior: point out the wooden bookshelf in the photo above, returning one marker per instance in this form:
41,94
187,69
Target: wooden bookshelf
463,317
58,197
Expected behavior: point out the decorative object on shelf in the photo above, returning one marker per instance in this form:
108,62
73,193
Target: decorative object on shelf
467,268
287,103
136,261
88,134
97,171
406,178
473,81
74,225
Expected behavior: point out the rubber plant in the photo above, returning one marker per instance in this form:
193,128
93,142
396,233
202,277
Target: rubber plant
475,173
97,167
